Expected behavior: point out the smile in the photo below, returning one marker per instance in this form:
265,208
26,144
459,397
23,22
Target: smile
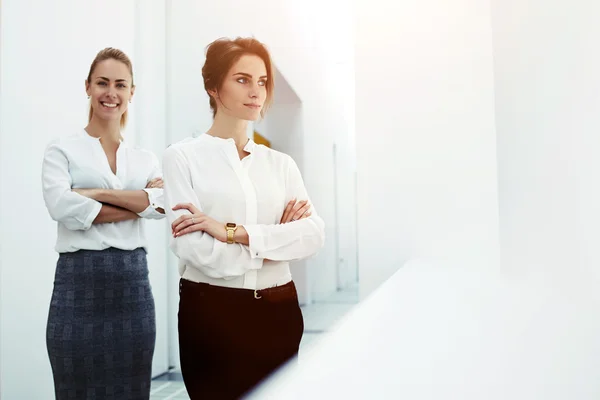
255,106
109,105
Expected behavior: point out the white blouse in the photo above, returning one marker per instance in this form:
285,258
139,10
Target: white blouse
207,172
79,162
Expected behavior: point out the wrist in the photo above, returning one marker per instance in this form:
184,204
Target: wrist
230,230
235,234
241,235
99,195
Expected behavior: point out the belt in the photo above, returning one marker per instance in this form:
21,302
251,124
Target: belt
273,294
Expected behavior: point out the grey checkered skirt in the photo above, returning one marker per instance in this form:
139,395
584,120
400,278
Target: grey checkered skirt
101,325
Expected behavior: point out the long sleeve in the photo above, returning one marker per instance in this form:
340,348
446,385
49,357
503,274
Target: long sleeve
76,212
155,195
198,249
294,240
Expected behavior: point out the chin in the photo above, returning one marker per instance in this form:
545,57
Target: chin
253,116
110,117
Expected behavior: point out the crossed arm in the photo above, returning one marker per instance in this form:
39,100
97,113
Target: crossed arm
121,205
198,221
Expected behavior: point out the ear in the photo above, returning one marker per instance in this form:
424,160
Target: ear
132,92
87,88
213,93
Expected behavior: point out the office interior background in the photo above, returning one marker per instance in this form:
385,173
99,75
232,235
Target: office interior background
450,147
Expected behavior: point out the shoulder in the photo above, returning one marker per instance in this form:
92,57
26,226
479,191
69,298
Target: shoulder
68,143
192,146
275,157
180,147
72,139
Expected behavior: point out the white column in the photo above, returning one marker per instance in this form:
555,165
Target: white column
150,107
547,110
425,137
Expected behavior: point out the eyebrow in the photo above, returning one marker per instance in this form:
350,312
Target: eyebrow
108,80
248,75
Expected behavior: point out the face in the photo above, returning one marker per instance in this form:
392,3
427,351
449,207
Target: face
110,89
244,91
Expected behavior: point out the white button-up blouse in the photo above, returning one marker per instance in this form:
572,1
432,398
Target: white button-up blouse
79,162
207,172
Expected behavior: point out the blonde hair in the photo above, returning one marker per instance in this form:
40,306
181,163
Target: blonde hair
110,53
222,54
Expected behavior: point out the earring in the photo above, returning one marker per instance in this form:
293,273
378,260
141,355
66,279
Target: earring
89,97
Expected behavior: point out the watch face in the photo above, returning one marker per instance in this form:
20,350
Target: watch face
230,225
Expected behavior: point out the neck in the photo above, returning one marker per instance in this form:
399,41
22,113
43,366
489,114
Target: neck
107,131
226,127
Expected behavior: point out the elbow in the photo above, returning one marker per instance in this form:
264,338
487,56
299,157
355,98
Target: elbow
155,214
317,243
188,249
319,235
74,219
312,243
71,223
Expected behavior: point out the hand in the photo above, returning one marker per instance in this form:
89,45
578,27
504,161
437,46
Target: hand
197,221
90,193
295,211
155,183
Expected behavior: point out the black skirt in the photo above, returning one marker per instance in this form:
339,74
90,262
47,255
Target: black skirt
101,326
231,339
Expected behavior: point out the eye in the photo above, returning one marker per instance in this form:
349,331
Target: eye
242,80
122,85
262,83
101,83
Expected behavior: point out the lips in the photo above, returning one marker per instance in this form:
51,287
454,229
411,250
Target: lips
109,105
255,106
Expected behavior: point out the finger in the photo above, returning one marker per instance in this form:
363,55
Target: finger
189,229
182,206
183,221
296,208
187,206
286,211
305,215
290,216
301,211
177,221
184,224
152,182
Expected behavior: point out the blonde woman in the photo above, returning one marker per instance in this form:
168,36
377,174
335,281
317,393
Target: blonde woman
101,324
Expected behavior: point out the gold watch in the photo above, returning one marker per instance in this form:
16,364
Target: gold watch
230,227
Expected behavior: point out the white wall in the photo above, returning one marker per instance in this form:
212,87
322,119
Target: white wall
425,136
149,106
548,118
284,122
46,50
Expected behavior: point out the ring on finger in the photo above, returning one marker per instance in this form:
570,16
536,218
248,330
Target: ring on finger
193,221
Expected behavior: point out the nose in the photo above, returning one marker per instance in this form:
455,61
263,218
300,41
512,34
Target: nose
254,91
111,92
